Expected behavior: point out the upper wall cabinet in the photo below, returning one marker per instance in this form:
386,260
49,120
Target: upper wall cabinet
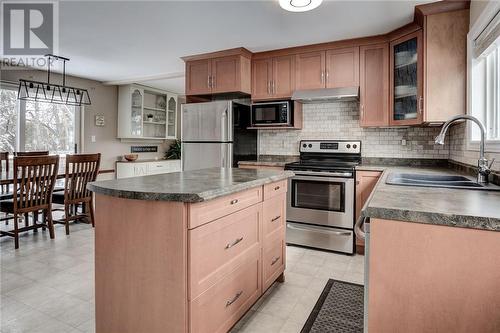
374,85
406,80
328,69
146,113
445,36
219,72
273,77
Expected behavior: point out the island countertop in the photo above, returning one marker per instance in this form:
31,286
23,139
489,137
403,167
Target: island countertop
188,186
476,209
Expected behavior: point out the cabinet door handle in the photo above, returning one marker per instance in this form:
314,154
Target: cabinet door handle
208,81
275,260
273,90
236,241
232,300
420,100
213,82
362,111
327,74
234,201
275,218
322,77
269,87
276,188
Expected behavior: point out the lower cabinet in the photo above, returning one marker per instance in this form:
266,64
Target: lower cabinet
234,259
365,183
137,169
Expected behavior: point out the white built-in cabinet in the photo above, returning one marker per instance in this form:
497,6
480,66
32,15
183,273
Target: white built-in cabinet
138,168
146,113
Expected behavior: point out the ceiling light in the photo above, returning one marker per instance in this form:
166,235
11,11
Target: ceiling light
30,90
299,5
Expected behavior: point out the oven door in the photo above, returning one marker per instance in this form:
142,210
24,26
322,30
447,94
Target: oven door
321,200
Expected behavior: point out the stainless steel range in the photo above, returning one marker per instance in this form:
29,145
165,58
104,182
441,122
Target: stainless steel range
320,210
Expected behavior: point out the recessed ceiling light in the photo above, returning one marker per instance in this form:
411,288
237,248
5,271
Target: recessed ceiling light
299,5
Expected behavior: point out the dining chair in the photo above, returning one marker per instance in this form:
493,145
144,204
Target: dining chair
33,183
80,170
31,153
4,168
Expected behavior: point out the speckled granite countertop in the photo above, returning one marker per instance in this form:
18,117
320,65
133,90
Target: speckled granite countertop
271,160
477,209
188,186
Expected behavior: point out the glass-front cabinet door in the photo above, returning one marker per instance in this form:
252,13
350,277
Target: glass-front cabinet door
137,98
171,117
406,80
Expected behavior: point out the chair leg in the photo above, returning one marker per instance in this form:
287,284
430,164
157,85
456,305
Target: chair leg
67,209
35,220
91,209
16,232
26,219
44,220
50,223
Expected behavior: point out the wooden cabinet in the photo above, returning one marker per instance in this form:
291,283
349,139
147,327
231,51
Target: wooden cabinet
374,85
194,267
445,68
328,69
406,80
220,72
198,77
273,77
365,183
342,67
310,70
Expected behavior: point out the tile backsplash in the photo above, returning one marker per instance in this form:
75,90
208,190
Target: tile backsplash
340,120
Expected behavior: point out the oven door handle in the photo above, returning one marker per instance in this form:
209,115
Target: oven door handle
319,173
318,230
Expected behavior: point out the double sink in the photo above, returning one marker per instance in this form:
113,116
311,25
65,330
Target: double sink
437,180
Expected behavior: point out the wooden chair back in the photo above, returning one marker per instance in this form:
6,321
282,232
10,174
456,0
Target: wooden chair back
32,153
80,169
34,180
4,169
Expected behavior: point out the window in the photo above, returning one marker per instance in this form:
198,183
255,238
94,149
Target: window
484,78
27,125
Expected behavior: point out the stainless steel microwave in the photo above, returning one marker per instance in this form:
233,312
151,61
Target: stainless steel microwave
276,113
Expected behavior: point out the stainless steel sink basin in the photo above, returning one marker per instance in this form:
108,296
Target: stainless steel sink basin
436,180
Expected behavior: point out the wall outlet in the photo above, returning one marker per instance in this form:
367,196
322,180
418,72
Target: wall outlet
403,142
92,138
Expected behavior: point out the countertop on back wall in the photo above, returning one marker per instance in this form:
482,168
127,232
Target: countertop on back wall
271,160
476,209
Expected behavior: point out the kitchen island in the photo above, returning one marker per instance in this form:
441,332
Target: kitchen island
432,256
188,251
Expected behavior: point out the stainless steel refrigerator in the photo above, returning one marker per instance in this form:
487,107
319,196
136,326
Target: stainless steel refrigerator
215,134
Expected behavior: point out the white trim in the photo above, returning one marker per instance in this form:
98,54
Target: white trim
488,13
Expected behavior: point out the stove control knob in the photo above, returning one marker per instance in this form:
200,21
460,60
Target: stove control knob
354,146
304,145
348,146
310,145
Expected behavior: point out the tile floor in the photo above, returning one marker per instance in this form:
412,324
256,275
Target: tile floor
48,286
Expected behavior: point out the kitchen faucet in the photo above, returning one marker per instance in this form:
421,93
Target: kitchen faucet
482,163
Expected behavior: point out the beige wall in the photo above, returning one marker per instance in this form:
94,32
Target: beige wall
105,102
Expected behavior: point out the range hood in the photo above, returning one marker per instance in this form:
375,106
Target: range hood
326,95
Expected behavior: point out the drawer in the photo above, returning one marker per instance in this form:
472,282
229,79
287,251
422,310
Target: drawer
274,258
156,168
216,248
221,306
273,214
204,212
273,189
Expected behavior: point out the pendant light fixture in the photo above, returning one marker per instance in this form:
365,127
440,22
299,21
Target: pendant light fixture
299,5
30,90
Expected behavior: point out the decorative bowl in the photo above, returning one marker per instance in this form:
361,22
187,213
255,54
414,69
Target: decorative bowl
130,157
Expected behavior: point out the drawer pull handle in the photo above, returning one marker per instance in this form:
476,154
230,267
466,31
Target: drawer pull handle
276,218
276,188
234,201
275,260
236,241
232,300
